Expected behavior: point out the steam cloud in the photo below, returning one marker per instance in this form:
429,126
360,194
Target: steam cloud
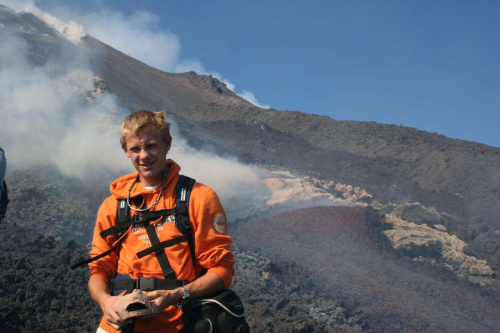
48,118
44,122
226,176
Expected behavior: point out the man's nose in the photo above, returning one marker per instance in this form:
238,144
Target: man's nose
143,154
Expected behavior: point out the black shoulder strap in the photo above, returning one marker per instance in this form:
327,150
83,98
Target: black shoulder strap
183,193
123,210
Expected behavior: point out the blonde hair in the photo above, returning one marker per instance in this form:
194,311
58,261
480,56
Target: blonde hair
141,119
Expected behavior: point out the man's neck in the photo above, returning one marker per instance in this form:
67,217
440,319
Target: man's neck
154,183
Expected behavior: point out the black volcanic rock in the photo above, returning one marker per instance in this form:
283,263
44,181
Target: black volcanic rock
486,246
416,213
38,291
45,201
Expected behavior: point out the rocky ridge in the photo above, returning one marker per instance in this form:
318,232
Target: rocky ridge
424,243
286,188
413,229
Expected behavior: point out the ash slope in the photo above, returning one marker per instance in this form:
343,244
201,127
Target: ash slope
348,259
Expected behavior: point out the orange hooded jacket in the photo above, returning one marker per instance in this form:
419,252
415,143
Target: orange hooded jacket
210,238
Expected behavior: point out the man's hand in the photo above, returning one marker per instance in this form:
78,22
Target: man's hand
165,298
204,286
99,292
108,308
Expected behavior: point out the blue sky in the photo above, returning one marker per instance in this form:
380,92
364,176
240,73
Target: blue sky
431,65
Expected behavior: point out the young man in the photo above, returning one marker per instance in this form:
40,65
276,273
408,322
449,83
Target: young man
145,139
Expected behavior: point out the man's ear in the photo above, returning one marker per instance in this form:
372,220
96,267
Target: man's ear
126,151
169,143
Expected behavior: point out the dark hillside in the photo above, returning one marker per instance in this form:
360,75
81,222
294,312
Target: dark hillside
38,292
43,200
387,178
394,163
345,255
139,86
43,44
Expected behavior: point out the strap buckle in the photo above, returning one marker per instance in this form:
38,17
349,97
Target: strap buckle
136,219
146,284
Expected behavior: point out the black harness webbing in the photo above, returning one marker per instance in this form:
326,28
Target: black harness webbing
183,193
181,213
142,217
97,257
147,284
161,246
156,247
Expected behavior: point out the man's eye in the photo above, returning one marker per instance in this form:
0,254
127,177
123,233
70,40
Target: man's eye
134,150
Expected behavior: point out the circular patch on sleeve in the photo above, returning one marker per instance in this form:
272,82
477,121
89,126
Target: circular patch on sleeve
220,224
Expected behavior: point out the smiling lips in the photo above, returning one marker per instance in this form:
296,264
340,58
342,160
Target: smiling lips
147,165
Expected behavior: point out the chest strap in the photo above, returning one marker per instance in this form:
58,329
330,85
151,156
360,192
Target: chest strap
158,249
142,217
161,246
146,284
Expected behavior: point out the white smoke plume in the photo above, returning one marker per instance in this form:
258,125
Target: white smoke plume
20,5
226,176
250,96
136,35
44,122
71,30
54,114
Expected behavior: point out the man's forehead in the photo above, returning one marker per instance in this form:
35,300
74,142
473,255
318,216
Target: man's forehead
144,135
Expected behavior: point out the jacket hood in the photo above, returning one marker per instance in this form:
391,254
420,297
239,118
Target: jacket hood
120,187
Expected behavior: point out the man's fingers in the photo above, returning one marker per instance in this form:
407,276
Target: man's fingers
115,326
154,295
118,325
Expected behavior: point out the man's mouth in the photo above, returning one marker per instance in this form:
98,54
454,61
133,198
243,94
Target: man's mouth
147,165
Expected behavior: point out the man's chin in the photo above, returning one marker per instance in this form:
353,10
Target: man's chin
150,175
147,174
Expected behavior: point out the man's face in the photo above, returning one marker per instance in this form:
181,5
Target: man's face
147,150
